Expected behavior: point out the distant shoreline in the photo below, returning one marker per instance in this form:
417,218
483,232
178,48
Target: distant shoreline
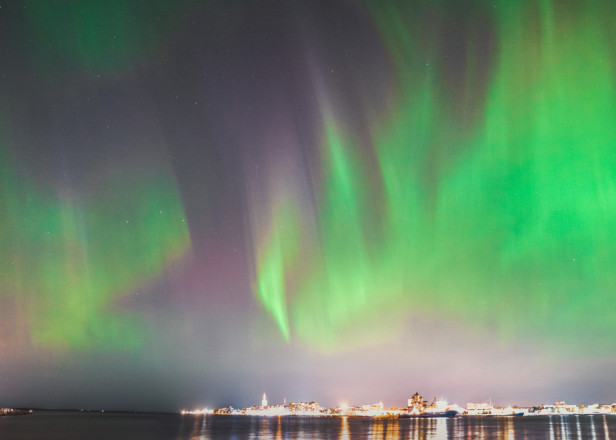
15,412
26,411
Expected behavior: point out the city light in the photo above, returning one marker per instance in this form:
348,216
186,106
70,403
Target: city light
416,407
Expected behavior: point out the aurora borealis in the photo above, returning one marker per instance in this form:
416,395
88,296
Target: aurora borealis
329,200
511,224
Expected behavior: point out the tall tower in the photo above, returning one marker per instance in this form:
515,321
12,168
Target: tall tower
264,400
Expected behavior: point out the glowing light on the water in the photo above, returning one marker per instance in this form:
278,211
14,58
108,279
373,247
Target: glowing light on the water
344,429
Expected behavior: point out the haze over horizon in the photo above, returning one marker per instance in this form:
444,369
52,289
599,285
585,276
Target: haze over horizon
334,200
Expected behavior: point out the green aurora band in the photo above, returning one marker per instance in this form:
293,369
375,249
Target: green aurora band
495,204
68,261
102,36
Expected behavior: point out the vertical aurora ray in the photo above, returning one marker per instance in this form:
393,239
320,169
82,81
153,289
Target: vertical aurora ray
497,197
68,261
274,264
343,264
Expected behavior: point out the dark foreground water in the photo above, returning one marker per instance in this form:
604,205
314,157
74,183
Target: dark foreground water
92,426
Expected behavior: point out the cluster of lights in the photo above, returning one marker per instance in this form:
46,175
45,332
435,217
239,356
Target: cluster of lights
416,406
204,411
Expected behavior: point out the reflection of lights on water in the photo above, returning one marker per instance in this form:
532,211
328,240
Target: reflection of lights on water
510,430
264,427
560,427
369,430
279,431
415,427
469,431
392,430
440,429
203,433
345,434
421,428
377,430
199,430
563,428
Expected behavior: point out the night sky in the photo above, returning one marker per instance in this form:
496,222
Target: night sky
202,201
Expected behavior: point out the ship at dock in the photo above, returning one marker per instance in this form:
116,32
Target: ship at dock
428,415
419,408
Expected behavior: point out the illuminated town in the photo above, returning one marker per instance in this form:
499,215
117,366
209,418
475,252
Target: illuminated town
416,407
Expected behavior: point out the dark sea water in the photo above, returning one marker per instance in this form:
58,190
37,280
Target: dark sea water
121,426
